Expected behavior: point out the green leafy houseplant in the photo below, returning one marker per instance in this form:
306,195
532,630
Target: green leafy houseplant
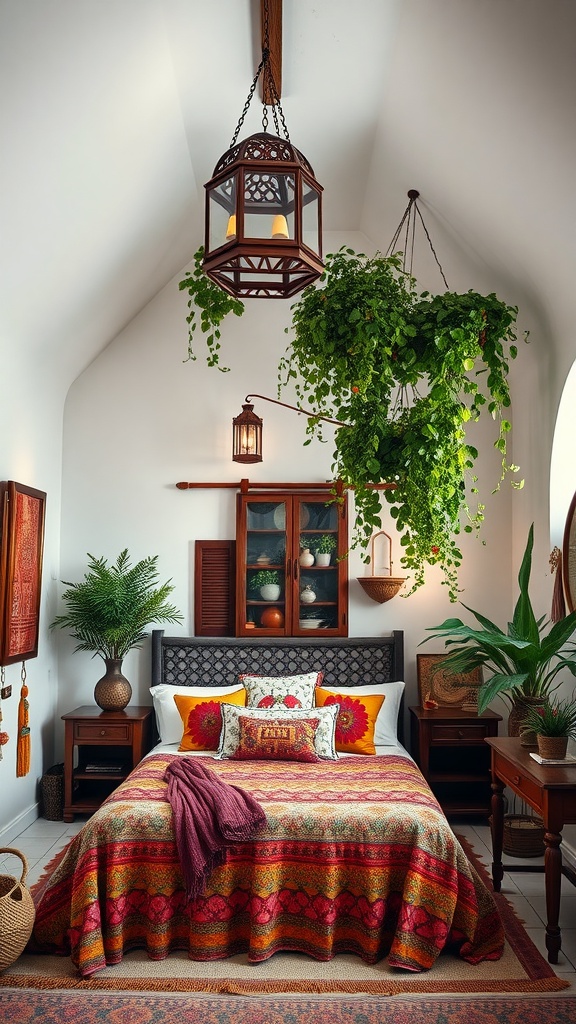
265,578
554,718
108,612
525,660
405,372
324,544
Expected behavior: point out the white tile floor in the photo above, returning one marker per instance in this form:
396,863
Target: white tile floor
41,841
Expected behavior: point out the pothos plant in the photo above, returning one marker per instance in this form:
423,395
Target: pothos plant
404,372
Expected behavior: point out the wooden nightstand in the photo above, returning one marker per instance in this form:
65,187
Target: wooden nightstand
100,749
449,747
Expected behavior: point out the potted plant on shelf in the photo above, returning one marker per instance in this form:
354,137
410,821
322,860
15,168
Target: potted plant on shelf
108,612
522,663
323,548
554,724
267,582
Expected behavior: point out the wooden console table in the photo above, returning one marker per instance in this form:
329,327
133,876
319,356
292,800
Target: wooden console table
551,791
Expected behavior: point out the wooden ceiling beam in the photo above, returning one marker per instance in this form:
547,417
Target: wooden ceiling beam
275,47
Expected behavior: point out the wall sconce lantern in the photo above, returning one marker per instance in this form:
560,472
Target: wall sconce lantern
247,436
263,229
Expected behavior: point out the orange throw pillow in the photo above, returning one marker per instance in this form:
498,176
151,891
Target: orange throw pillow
202,719
356,720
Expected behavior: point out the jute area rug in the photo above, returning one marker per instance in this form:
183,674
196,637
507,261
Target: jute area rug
522,969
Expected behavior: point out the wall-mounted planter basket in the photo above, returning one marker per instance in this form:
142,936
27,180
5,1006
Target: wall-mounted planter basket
381,588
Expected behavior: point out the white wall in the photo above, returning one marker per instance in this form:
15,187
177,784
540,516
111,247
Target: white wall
139,419
31,401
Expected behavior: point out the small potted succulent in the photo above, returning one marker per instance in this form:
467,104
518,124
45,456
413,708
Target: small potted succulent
553,723
323,548
267,581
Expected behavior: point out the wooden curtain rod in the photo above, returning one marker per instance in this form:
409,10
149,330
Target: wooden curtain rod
245,485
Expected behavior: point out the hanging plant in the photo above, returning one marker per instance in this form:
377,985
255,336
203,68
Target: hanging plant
213,303
406,372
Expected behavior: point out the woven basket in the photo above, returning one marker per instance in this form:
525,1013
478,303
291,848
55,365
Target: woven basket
380,588
17,913
523,835
52,786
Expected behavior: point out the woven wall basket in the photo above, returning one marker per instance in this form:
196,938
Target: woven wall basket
17,913
381,588
523,835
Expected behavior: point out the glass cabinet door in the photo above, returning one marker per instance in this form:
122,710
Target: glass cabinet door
263,583
318,572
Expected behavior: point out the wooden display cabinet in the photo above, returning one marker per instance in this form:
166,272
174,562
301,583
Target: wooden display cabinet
311,600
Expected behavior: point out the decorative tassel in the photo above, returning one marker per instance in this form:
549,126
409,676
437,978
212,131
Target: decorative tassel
23,743
558,604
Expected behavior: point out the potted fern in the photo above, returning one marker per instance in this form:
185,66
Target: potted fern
267,581
108,612
323,548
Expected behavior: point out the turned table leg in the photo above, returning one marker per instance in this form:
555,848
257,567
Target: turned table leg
553,879
497,828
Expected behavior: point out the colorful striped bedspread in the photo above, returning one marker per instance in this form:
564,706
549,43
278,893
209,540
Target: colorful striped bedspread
356,856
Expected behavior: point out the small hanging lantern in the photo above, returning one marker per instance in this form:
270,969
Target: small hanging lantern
247,436
263,236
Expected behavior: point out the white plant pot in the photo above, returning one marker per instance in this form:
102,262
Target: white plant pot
270,592
323,558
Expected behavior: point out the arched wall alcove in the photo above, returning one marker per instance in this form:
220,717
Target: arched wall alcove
563,463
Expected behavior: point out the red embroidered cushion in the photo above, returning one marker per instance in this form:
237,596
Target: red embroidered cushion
276,739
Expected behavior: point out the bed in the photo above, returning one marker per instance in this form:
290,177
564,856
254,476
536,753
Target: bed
355,854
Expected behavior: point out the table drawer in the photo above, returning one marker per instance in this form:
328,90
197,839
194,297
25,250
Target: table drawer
460,733
520,783
92,732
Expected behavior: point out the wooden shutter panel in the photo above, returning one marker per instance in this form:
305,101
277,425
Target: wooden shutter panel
214,587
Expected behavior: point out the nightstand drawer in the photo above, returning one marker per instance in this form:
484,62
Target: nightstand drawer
90,732
461,733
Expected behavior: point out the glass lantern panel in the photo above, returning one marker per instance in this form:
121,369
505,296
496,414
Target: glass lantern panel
222,212
268,205
310,217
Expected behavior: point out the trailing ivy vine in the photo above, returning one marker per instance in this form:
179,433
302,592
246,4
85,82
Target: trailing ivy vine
214,304
406,372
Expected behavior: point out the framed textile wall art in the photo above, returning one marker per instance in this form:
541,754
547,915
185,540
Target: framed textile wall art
447,689
22,514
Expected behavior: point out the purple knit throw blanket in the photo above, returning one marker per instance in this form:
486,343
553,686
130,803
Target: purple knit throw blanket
209,816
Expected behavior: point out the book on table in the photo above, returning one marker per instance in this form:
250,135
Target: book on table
569,759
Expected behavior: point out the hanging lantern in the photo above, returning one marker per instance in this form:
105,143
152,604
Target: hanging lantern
263,231
247,436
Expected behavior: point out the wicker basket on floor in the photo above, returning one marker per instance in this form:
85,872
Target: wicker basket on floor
17,913
52,787
523,835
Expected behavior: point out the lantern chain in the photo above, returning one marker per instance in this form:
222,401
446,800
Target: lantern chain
268,76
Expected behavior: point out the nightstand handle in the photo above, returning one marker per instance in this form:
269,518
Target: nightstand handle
102,732
460,734
516,779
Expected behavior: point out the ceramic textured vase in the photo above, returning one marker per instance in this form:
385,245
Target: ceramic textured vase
552,748
306,558
516,718
307,596
272,618
113,691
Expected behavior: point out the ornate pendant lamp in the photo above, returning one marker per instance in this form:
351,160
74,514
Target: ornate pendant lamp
263,235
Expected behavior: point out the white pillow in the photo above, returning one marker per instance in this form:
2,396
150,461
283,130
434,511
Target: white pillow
295,691
168,717
324,741
386,729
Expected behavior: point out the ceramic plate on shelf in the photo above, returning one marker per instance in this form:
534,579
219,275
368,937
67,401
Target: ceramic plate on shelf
310,623
280,517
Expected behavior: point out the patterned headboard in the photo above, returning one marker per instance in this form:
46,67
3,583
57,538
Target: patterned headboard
218,661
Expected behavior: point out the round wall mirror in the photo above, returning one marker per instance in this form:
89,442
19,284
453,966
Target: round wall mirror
569,557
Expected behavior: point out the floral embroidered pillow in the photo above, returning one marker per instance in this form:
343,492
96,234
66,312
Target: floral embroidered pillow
202,719
276,739
324,736
356,720
281,691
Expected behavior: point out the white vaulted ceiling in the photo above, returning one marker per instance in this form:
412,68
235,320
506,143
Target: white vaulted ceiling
114,113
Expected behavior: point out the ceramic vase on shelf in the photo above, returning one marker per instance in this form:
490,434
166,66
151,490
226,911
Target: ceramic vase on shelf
552,748
323,558
113,691
272,618
270,592
306,558
307,596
